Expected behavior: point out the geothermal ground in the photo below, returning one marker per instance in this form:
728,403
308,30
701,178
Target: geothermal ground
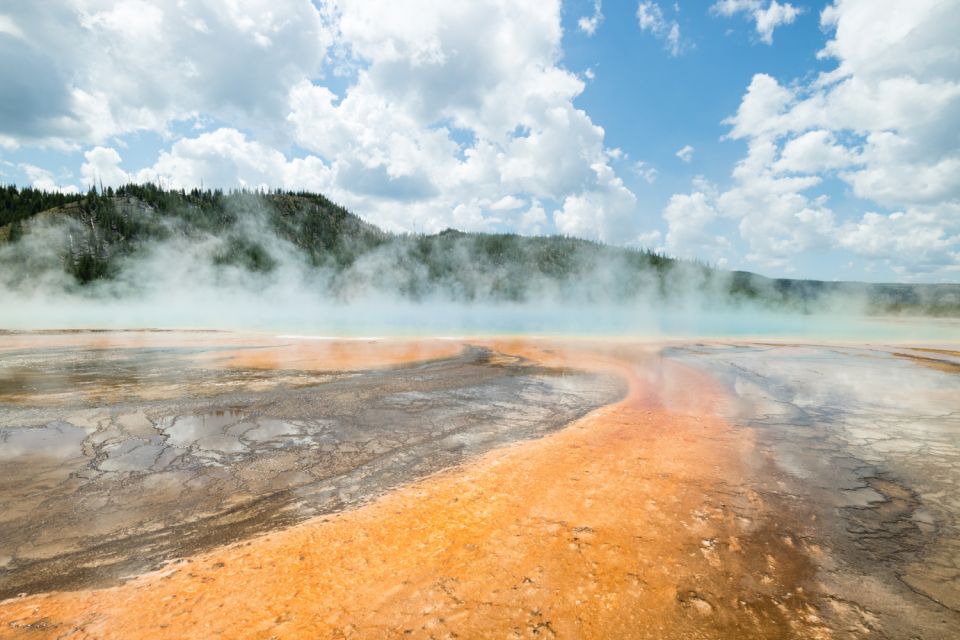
197,485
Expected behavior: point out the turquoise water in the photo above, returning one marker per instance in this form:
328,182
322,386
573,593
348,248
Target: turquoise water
306,315
446,319
618,321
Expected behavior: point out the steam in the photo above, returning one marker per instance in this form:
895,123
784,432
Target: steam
178,281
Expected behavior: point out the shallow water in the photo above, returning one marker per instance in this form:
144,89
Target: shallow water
168,456
434,318
869,439
840,511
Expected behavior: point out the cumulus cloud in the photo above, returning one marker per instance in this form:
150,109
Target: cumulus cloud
897,114
685,153
761,110
405,139
10,28
651,19
507,203
397,133
102,167
689,218
42,179
604,212
589,24
766,17
932,240
884,121
227,157
133,65
646,171
813,152
404,120
534,219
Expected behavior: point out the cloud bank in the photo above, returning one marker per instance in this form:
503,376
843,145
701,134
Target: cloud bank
442,109
883,121
423,114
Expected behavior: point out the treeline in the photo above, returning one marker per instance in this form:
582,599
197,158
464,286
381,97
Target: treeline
20,204
117,222
515,268
114,223
257,231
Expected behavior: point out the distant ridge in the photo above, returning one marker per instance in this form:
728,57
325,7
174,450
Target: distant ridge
98,236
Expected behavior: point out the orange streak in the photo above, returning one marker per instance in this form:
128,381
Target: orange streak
610,528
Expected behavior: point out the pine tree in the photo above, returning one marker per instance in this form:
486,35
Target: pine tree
16,230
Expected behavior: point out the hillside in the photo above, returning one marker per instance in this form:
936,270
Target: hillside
100,237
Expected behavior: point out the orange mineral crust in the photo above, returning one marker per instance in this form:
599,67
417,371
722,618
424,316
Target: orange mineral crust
247,350
225,361
636,521
307,354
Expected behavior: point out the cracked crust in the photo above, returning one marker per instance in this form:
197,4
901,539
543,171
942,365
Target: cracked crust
737,491
93,493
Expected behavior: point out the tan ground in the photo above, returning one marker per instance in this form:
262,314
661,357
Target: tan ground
636,521
250,350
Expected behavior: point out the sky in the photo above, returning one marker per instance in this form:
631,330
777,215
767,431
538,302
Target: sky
794,139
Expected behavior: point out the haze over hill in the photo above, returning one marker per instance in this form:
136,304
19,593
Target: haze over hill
144,243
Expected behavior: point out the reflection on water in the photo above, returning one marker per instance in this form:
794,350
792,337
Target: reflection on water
609,320
107,375
148,476
435,318
165,457
54,440
184,431
872,435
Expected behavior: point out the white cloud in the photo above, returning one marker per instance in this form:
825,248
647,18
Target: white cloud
761,109
407,143
9,27
884,121
401,138
44,180
897,114
507,203
913,39
814,152
140,65
689,217
102,167
772,17
589,24
391,135
776,216
685,153
534,220
932,240
773,216
766,19
898,171
650,17
604,212
650,239
227,157
646,171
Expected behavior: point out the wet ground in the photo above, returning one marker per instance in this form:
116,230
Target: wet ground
118,458
868,441
591,489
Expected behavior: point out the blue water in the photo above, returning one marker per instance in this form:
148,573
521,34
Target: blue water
449,319
619,321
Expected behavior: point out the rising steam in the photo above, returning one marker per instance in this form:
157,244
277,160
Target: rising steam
247,276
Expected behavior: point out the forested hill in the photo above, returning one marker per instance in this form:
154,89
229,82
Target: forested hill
101,236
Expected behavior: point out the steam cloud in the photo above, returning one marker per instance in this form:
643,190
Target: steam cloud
179,281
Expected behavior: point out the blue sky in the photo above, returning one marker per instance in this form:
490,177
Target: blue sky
651,103
820,138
